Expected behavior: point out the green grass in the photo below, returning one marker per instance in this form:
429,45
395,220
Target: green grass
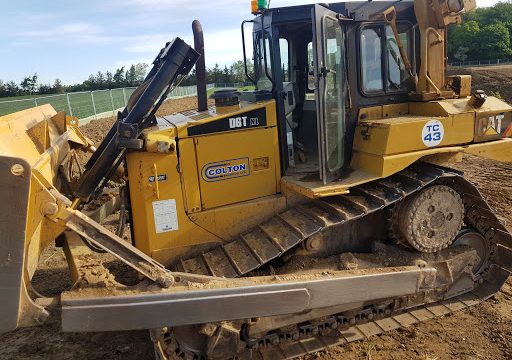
81,103
20,97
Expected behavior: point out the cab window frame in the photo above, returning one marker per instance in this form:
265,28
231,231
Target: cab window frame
286,72
386,90
263,66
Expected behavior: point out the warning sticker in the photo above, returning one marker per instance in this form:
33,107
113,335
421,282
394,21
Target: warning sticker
166,217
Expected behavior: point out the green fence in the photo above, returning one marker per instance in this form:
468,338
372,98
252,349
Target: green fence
94,104
80,104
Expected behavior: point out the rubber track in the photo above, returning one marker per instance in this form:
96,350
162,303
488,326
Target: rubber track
364,200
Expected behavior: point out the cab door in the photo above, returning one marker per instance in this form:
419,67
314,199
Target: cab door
329,69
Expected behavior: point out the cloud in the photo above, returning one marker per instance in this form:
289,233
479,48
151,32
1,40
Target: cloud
146,43
222,46
33,18
182,5
150,5
77,29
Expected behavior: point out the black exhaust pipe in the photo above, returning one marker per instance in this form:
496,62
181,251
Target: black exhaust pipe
202,101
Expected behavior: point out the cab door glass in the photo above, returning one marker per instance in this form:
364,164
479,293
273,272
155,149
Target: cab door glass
262,62
285,59
311,67
334,97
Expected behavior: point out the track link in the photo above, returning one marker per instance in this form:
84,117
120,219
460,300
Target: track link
298,223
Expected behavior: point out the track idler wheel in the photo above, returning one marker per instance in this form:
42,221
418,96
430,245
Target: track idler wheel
430,220
479,243
200,342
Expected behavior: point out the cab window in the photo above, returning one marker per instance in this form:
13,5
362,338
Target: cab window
371,54
310,68
285,58
262,62
382,66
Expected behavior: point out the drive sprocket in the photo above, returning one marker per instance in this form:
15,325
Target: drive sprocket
429,220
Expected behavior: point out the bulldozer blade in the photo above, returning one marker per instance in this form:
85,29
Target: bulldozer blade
121,309
17,307
33,145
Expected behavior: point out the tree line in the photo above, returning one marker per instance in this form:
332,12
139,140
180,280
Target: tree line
121,77
235,73
485,34
30,85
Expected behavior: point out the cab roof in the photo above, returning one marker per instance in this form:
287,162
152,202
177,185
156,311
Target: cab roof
355,10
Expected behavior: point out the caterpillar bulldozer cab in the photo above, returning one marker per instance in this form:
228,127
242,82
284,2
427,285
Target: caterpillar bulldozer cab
333,68
315,210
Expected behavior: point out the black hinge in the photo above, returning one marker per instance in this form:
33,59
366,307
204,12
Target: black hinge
324,71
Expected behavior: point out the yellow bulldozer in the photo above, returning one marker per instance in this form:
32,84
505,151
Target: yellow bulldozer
318,209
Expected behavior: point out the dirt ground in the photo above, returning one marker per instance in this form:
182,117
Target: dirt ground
482,332
494,80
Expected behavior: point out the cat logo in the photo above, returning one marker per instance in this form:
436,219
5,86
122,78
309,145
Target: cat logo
491,125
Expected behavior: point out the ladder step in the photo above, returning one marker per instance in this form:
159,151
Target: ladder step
241,257
218,263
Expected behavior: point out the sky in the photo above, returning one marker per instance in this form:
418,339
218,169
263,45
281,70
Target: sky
70,40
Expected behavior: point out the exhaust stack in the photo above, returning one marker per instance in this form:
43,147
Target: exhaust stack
202,101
